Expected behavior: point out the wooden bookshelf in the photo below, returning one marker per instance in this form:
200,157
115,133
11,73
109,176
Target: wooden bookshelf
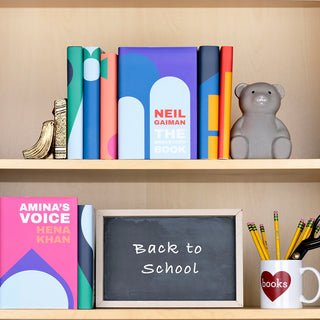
276,41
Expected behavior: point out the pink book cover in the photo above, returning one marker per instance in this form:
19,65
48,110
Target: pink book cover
38,252
108,107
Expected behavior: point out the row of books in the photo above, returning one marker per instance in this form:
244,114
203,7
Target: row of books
92,98
46,253
149,102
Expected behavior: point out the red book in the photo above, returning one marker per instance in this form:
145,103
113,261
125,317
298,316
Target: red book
108,107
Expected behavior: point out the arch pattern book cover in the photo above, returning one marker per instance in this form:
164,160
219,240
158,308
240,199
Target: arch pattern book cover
157,103
38,252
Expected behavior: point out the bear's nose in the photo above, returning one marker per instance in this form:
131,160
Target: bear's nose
261,99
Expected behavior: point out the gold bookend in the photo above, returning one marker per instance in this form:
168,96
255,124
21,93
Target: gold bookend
42,148
60,128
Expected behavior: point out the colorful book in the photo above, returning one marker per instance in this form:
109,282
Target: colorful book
86,256
208,75
38,252
226,59
91,103
75,102
157,106
109,106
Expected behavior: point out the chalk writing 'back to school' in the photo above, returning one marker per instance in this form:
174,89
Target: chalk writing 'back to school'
167,268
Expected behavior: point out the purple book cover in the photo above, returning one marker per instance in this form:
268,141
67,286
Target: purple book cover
157,107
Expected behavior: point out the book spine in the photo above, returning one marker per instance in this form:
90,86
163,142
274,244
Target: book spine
75,102
60,129
91,104
108,107
209,64
226,59
131,111
85,256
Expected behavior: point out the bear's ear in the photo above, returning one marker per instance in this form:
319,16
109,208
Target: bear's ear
239,89
279,89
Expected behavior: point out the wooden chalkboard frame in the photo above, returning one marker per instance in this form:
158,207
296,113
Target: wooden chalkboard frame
101,214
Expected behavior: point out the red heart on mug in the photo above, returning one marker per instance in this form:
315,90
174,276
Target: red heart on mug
275,286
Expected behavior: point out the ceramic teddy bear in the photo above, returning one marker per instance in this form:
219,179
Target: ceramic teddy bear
259,134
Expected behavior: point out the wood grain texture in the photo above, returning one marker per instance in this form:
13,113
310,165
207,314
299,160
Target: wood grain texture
274,41
165,314
276,45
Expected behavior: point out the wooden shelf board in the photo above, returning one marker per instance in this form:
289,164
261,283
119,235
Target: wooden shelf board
158,3
198,165
166,314
289,170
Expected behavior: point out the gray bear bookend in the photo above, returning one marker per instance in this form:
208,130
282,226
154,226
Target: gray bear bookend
258,134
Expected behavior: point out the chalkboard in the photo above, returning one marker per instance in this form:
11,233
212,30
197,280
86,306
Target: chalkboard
169,258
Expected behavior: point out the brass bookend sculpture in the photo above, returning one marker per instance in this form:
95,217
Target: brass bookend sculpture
60,129
43,147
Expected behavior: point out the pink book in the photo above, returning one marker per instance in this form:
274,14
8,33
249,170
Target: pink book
38,252
108,107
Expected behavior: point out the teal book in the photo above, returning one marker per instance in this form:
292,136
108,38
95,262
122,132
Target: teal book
75,102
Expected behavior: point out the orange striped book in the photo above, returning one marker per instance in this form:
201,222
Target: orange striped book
226,59
208,75
108,107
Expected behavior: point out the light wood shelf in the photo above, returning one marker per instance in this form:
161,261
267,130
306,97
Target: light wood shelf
165,314
300,170
159,3
281,165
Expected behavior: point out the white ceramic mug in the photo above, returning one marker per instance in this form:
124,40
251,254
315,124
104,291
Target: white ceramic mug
281,284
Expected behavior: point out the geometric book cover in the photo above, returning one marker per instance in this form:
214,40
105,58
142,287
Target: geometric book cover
38,252
157,103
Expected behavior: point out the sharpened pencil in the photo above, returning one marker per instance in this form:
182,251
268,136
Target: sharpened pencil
255,240
264,240
306,232
255,230
277,235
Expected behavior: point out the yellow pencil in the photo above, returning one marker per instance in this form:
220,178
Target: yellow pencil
295,238
277,235
255,230
306,232
256,241
310,228
317,229
264,239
